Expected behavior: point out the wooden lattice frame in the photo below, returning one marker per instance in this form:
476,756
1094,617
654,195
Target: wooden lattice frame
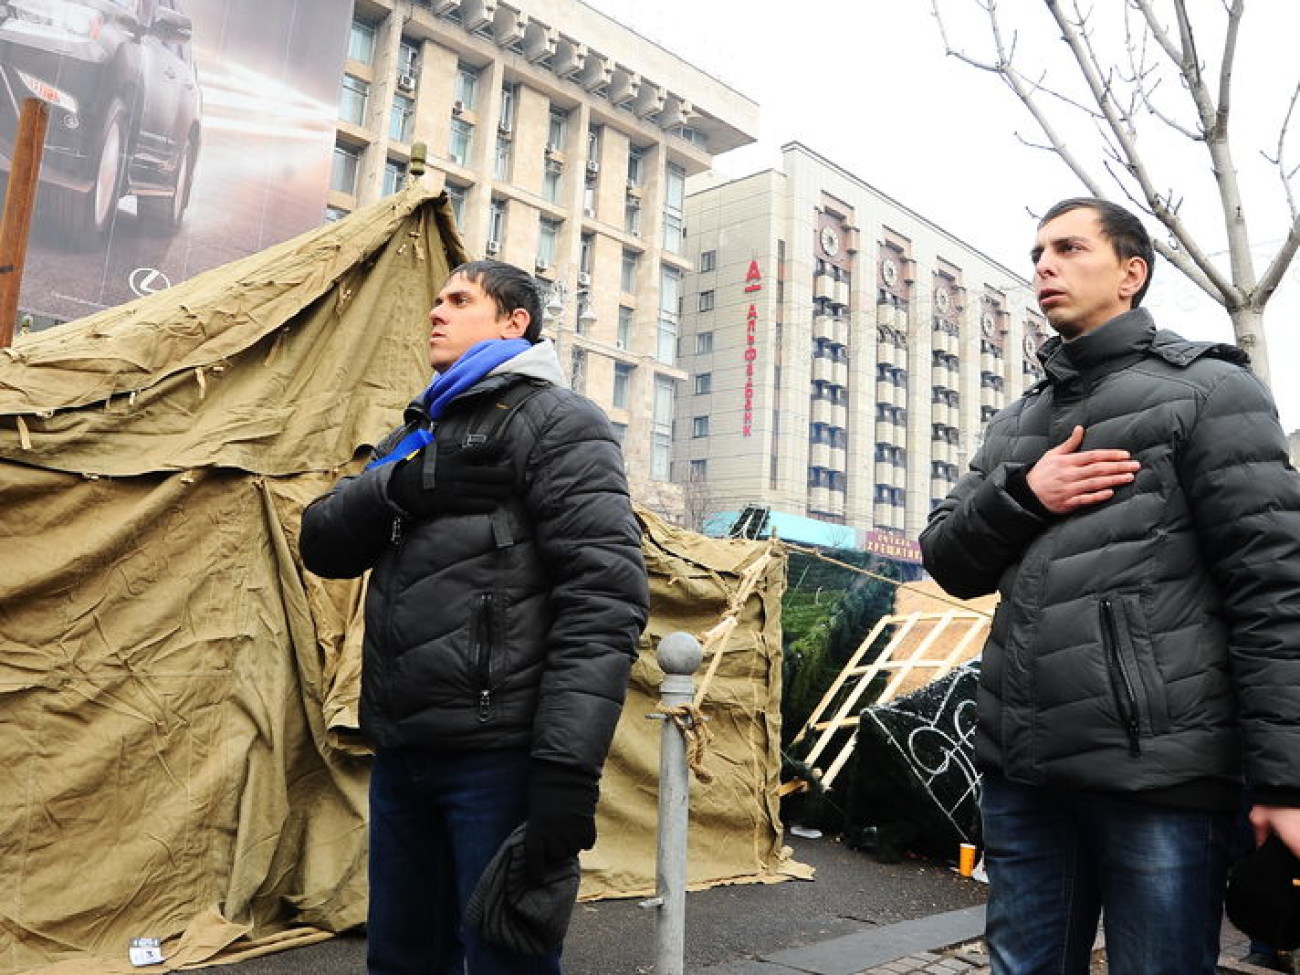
853,680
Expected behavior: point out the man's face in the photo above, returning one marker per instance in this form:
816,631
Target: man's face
463,315
1079,279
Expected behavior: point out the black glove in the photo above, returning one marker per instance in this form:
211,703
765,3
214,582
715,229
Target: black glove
466,480
561,816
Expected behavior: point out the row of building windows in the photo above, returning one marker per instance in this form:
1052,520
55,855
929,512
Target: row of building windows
836,395
943,433
893,496
943,471
822,477
888,453
824,433
887,372
945,396
824,348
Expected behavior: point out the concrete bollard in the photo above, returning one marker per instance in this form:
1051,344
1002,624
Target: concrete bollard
679,656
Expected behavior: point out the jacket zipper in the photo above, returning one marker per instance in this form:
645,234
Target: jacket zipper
483,655
1125,696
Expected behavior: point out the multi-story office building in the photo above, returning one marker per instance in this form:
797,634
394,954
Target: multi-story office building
565,141
844,354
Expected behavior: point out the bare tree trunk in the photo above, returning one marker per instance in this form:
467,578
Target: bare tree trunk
1248,326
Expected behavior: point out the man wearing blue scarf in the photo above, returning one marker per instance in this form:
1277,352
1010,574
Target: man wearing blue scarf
506,597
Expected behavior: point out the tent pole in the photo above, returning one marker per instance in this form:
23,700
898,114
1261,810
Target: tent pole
20,201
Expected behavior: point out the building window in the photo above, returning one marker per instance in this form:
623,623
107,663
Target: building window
674,205
703,343
509,98
462,138
661,432
551,173
548,235
620,432
586,249
623,337
343,175
557,129
627,276
670,303
408,58
466,88
699,470
334,213
400,118
699,426
456,194
636,166
352,100
496,225
709,260
703,383
394,176
501,160
706,301
361,42
622,384
632,217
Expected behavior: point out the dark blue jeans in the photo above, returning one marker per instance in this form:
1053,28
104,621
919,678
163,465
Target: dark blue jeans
1058,860
435,822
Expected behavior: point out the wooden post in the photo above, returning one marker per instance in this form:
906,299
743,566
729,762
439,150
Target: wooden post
20,201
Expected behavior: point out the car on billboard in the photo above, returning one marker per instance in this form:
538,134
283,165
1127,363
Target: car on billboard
125,108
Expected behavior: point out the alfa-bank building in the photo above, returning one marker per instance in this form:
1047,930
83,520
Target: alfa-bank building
794,342
843,355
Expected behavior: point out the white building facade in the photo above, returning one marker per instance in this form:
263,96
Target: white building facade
844,355
564,141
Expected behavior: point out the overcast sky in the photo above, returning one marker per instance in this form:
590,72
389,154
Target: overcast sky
866,83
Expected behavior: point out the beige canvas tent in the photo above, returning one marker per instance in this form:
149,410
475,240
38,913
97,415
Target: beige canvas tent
177,757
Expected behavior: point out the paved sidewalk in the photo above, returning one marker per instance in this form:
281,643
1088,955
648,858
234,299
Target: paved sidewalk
942,944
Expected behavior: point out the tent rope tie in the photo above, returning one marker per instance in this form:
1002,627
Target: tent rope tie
690,721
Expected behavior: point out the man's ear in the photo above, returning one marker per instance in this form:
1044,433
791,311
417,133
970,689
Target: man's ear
516,324
1135,275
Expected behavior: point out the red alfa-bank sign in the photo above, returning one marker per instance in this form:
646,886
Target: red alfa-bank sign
753,283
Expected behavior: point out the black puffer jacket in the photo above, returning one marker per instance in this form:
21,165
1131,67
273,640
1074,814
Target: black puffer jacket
509,630
1140,642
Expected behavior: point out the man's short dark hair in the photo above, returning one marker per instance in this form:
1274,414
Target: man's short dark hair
1122,228
510,287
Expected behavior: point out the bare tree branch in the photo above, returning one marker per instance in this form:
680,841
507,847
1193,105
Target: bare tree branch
1127,91
1279,160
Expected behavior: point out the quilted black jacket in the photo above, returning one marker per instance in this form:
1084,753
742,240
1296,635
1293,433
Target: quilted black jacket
1154,639
511,630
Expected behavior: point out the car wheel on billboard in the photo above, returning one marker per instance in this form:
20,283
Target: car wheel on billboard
168,210
82,217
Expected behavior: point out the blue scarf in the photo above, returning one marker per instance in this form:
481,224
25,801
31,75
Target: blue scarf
479,360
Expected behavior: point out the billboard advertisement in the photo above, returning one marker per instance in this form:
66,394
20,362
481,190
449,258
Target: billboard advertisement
182,134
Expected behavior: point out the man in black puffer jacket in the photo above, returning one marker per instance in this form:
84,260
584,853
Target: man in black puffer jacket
1139,516
506,598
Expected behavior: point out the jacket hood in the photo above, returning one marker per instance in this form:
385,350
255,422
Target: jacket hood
540,361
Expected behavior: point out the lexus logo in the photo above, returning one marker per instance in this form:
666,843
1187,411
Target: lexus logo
148,280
